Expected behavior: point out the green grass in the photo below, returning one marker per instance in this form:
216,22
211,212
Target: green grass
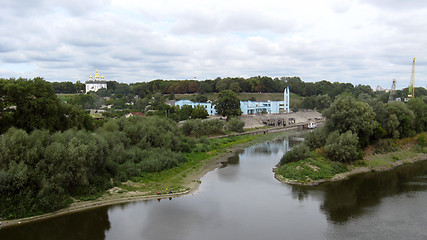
386,160
65,97
317,167
314,168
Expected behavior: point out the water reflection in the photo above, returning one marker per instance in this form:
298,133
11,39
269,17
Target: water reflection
351,198
233,160
90,224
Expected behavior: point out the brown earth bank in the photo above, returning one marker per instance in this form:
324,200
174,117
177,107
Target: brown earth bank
116,195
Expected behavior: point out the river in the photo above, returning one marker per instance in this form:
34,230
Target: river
242,200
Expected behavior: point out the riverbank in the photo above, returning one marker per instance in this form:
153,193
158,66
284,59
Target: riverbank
188,181
371,163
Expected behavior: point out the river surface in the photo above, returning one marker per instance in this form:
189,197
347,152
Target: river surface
243,201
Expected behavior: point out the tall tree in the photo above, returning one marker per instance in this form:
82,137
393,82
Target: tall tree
346,113
228,104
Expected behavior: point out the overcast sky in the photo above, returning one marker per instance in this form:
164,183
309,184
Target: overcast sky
362,42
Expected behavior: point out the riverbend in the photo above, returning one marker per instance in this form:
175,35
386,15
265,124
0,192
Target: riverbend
242,200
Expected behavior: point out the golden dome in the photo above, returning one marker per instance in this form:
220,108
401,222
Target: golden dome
90,77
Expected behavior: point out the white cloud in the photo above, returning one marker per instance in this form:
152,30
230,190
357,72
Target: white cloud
362,42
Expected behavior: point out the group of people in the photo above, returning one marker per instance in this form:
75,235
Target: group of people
159,192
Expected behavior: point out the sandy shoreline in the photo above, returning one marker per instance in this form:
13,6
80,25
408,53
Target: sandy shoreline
354,171
192,183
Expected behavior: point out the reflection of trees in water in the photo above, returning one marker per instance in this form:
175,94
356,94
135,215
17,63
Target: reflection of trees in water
90,224
233,160
271,147
300,192
348,199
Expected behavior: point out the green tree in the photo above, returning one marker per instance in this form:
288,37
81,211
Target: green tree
317,138
185,112
199,112
235,125
343,147
346,113
419,108
86,101
298,153
228,104
32,104
405,117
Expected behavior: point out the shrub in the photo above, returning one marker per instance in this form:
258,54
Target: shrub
343,147
235,125
422,140
300,152
316,139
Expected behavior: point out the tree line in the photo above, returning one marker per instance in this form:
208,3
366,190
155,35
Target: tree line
255,84
31,104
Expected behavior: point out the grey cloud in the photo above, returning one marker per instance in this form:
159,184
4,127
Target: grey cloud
206,22
397,5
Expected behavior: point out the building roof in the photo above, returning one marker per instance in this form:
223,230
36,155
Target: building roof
96,82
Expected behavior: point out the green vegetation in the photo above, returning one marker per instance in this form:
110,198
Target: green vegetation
353,125
32,104
312,168
227,104
39,171
52,151
235,125
198,128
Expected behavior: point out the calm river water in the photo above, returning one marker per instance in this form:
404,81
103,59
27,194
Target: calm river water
243,201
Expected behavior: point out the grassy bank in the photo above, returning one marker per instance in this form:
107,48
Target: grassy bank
314,168
317,169
177,179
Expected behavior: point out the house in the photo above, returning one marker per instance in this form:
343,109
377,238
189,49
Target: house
131,114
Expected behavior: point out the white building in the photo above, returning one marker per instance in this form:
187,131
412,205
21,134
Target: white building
95,84
210,108
269,107
248,107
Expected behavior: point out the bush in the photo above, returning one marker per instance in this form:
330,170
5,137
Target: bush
422,140
198,128
300,152
316,139
343,147
235,125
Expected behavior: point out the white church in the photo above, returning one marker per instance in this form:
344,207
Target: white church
95,84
